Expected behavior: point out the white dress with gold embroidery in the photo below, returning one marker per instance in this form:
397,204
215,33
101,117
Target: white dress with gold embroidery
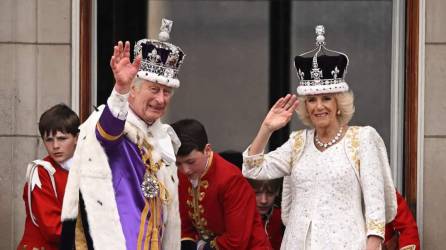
326,209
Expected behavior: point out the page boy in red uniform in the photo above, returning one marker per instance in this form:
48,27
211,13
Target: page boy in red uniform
266,194
217,204
46,179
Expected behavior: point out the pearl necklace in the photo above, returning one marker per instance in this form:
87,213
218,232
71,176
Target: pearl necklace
331,142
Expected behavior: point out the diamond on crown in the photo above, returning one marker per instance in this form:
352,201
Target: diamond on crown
335,72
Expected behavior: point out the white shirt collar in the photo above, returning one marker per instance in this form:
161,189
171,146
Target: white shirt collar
67,164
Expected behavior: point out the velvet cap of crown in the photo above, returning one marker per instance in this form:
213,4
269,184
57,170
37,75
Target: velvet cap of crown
161,61
319,73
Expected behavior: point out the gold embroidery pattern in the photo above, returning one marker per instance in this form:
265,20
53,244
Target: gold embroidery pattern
196,210
376,226
297,145
146,156
152,168
156,194
409,247
253,163
214,244
353,136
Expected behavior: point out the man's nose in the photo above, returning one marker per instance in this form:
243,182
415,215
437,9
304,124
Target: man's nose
160,97
56,144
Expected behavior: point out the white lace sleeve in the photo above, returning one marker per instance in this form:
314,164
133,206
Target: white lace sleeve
275,164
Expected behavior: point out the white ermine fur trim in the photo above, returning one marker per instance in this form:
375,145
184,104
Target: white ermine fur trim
172,222
91,175
322,89
152,77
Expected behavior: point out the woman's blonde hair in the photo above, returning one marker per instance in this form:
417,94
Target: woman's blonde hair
344,102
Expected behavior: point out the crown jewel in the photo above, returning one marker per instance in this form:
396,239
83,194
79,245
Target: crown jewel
166,27
161,60
320,73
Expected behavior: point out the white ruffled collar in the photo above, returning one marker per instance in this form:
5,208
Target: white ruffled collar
157,134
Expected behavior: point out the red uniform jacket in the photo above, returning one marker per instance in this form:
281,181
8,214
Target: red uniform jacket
405,225
274,228
46,209
221,209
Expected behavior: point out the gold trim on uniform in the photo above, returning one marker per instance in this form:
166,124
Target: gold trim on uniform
213,244
409,247
106,135
187,238
196,210
209,164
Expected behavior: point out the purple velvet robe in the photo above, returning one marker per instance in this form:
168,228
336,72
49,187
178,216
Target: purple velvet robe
127,170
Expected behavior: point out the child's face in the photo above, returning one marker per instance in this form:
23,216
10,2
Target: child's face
60,146
195,163
265,201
